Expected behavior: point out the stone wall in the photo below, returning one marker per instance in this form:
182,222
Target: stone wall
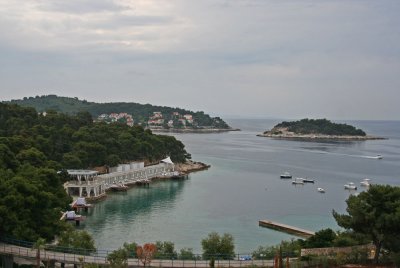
335,250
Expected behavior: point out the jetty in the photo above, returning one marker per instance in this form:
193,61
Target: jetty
92,186
286,228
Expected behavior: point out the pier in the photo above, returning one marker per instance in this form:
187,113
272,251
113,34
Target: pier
91,185
286,228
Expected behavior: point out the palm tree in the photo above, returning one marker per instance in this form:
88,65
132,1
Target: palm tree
39,245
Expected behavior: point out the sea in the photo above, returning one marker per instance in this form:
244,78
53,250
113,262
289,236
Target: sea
243,186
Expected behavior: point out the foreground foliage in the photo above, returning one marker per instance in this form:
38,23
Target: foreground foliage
218,246
376,215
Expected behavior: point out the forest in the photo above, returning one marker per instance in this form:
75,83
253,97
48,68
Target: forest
320,126
34,147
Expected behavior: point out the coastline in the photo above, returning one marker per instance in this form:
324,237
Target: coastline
190,166
192,130
293,136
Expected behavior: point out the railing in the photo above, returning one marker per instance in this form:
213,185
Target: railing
14,247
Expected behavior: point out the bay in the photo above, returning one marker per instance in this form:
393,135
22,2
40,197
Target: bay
243,186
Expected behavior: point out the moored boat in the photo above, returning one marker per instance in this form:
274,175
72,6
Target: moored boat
286,175
350,186
298,181
365,182
306,180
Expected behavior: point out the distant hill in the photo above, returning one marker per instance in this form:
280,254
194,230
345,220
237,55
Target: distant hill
142,113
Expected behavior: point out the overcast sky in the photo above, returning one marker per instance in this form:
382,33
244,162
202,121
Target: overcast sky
286,59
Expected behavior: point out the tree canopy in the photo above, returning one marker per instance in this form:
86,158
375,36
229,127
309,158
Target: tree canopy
375,214
215,246
320,126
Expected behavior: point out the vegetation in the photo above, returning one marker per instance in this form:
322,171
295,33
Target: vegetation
75,239
375,214
119,258
165,250
318,126
221,247
146,253
140,112
34,147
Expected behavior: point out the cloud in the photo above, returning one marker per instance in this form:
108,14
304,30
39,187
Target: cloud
317,57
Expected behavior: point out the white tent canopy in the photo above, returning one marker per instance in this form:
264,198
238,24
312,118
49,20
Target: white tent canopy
167,160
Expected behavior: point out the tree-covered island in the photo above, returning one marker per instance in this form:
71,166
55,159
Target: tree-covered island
316,129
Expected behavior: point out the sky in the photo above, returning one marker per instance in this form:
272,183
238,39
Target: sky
249,58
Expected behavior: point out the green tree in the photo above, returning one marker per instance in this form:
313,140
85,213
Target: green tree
71,238
39,245
165,250
321,239
376,214
218,246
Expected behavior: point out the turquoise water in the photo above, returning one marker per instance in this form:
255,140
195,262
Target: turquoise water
243,186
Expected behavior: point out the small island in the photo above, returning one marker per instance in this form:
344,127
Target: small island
317,129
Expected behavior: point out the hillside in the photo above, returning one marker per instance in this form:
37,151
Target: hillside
142,114
33,147
316,129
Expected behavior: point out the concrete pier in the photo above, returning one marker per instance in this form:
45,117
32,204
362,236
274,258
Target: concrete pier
285,228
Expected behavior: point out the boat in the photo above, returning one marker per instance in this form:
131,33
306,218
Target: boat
321,190
286,175
350,186
118,187
308,180
298,181
378,156
365,182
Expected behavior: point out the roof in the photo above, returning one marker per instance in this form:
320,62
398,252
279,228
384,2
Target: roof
167,160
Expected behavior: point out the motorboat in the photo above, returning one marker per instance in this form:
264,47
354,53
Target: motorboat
298,181
365,182
379,156
306,180
350,186
286,175
321,190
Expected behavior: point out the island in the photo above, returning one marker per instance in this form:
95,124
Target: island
317,129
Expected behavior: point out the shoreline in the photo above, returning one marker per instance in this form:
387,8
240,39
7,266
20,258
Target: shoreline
188,130
292,136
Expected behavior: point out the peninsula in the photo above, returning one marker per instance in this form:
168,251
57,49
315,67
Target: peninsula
316,129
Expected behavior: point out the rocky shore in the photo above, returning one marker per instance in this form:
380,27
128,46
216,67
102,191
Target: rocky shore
282,133
190,166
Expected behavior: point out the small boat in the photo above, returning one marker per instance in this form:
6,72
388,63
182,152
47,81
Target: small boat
308,180
379,156
298,181
118,187
321,190
350,186
286,175
365,182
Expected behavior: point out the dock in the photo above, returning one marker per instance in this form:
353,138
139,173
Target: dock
286,228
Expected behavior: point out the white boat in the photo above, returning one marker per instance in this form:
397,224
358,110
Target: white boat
298,181
286,175
321,190
378,156
350,186
365,182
